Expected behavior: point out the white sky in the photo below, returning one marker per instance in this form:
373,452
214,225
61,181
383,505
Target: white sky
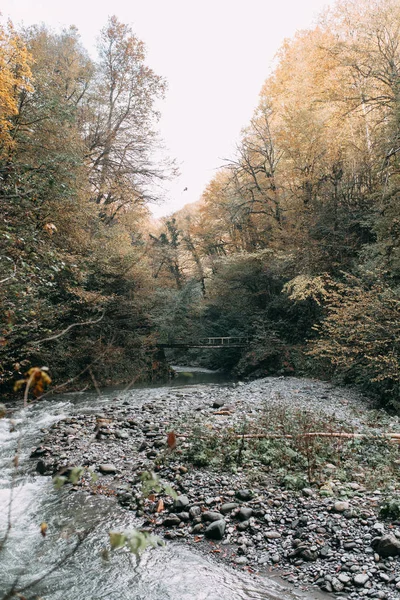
215,55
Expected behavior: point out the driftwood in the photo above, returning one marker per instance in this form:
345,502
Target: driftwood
391,437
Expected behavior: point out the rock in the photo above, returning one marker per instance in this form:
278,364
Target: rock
349,545
241,560
181,502
122,435
43,468
275,558
344,578
305,553
360,579
216,530
210,516
195,511
325,552
337,585
39,451
245,513
107,469
228,507
243,525
387,545
379,528
218,403
272,535
340,506
244,495
171,521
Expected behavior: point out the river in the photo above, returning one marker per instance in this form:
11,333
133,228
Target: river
171,572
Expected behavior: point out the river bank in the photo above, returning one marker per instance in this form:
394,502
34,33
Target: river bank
246,505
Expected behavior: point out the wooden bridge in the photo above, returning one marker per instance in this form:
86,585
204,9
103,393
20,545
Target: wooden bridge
208,342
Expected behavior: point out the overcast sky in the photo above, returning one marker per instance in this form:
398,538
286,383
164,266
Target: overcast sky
215,55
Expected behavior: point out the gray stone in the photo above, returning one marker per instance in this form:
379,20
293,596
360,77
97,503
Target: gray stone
195,511
211,516
245,513
228,507
171,521
181,502
360,579
337,585
349,545
272,535
218,403
387,545
325,552
107,469
275,558
244,495
216,530
340,506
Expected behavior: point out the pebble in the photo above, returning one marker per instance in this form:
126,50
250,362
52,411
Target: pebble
107,469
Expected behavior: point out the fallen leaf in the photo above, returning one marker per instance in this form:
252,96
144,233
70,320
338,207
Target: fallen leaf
160,506
171,440
43,529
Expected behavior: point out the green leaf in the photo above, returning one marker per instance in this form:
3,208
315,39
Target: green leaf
117,540
76,474
170,491
59,481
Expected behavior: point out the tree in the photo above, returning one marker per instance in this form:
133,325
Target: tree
15,78
119,118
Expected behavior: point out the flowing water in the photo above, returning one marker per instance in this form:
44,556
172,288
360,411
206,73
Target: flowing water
173,572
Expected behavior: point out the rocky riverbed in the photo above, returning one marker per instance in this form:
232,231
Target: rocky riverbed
312,514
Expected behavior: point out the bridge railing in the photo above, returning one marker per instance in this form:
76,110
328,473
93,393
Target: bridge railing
223,341
204,342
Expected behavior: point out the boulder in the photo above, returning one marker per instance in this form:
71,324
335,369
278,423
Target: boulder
195,511
216,530
218,403
211,516
245,513
181,502
171,521
244,495
387,545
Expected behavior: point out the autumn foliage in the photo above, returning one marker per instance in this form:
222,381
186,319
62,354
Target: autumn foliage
296,240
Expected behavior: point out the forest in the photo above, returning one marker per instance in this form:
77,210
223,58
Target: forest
295,242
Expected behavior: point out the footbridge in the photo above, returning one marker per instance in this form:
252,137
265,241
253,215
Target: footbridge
207,342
